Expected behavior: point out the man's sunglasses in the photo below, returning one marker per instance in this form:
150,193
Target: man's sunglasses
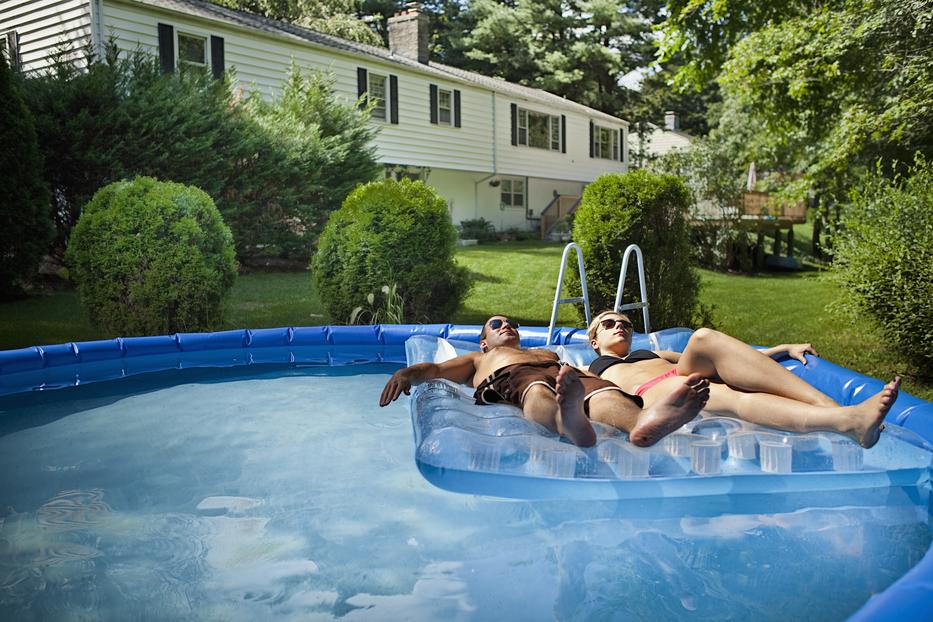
496,324
610,323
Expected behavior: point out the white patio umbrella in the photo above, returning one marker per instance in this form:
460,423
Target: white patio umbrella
752,177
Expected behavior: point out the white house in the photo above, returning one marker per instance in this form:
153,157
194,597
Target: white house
492,149
661,140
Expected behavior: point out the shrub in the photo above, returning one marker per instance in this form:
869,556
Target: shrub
645,209
884,257
276,170
390,232
478,229
152,257
25,215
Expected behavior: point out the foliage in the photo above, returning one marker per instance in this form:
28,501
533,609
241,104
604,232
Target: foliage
275,170
327,151
717,239
392,310
395,232
574,49
821,90
649,210
25,217
338,18
152,257
884,257
478,229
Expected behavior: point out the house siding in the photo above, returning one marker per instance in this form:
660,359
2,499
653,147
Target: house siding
575,165
261,63
46,27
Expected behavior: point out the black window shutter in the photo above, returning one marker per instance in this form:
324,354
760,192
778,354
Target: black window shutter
217,56
432,102
393,99
456,108
361,84
592,138
621,144
514,124
563,133
166,48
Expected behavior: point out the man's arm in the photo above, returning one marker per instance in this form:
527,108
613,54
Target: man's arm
459,369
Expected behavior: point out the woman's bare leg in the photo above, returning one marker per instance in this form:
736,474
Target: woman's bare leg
716,355
681,403
862,422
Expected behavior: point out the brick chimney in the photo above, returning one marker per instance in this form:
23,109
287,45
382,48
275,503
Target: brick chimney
408,33
671,121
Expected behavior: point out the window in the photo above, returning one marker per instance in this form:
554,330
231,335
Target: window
513,192
606,143
192,49
445,106
377,93
539,130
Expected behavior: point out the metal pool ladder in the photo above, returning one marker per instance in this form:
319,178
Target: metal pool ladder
585,298
642,290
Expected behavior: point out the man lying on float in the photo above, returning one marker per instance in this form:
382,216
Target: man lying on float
560,397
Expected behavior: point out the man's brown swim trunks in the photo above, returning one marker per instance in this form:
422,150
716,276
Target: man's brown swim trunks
510,383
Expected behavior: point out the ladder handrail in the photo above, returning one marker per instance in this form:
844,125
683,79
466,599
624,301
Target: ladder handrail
643,305
585,299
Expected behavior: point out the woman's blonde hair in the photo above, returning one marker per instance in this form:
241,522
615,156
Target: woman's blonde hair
594,325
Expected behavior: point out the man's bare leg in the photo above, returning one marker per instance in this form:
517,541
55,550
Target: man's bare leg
713,354
561,413
646,427
862,423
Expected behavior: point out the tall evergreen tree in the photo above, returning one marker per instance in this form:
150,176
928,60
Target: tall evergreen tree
25,217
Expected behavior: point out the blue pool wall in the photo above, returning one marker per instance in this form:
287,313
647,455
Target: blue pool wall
70,364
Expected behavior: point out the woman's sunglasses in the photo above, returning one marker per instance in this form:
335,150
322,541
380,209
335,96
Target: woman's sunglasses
496,324
610,323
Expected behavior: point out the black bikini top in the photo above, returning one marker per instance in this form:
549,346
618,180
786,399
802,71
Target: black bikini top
605,361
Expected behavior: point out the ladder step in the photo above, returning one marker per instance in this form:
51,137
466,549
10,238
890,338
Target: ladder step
563,301
633,305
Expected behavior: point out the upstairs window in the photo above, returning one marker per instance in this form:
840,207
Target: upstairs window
539,130
192,50
445,107
377,93
606,143
512,193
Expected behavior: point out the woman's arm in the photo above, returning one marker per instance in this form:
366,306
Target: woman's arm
669,355
793,350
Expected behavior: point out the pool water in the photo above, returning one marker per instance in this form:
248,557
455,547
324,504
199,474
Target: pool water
286,493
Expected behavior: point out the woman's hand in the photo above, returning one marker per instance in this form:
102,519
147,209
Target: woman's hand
797,351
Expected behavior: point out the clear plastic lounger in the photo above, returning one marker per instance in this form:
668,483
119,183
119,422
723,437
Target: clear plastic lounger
494,451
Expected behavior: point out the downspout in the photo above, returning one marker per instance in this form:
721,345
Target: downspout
494,166
97,28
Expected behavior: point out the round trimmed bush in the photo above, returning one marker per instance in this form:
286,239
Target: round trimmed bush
884,258
390,233
152,257
649,210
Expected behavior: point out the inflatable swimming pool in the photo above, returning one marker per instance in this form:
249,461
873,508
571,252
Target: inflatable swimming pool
49,367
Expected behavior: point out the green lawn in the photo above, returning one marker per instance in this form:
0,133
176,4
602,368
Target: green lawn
518,279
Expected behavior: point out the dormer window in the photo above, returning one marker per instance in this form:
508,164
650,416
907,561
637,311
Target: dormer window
377,93
539,130
192,50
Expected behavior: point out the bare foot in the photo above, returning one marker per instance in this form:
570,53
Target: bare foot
571,420
665,416
870,414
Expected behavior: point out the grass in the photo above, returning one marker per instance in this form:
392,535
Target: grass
518,279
